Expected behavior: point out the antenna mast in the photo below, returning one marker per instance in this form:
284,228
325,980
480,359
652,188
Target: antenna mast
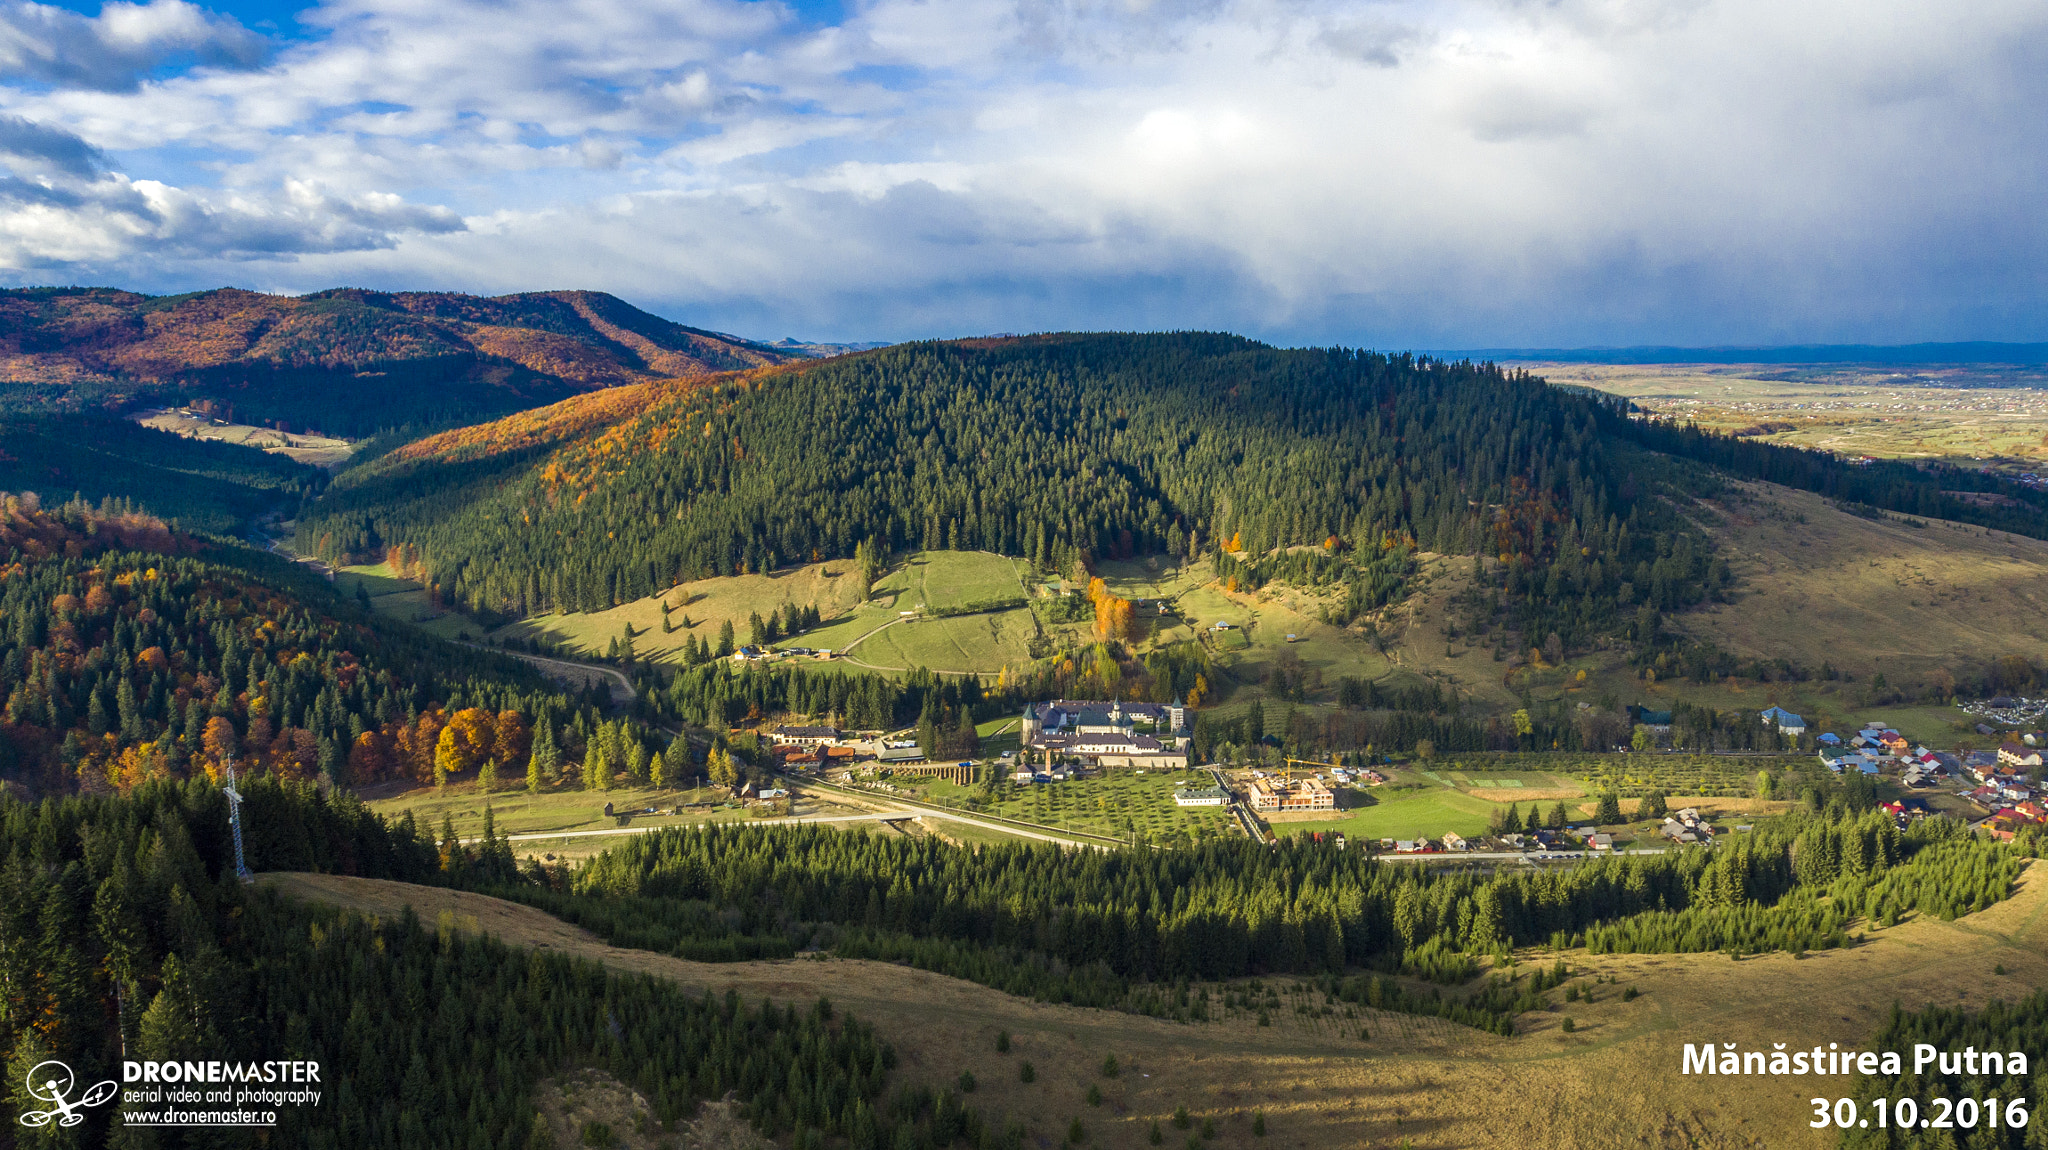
235,820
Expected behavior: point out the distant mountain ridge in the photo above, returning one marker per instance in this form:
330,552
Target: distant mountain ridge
346,360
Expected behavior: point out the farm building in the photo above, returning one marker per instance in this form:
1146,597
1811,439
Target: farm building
1787,722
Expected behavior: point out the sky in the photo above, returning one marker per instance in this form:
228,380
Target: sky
1408,173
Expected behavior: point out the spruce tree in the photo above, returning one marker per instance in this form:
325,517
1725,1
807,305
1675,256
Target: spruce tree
546,760
678,758
1558,817
1511,823
725,640
1610,809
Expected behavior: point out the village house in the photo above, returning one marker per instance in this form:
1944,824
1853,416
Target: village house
2015,754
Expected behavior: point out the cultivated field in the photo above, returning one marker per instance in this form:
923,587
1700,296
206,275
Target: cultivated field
1984,412
1613,1082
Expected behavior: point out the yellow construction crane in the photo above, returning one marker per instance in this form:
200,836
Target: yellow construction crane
1291,763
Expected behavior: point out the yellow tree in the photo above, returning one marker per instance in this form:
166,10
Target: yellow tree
720,767
473,732
447,757
218,743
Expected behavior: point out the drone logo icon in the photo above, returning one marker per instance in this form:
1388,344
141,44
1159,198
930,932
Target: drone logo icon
51,1082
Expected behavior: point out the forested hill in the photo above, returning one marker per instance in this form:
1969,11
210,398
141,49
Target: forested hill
131,653
346,361
1053,447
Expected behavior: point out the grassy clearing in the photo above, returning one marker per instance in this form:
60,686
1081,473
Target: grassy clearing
404,599
700,608
1434,1084
313,450
948,580
978,643
1819,585
1815,585
1261,622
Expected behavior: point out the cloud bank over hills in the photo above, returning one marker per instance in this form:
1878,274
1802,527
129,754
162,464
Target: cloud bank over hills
1397,174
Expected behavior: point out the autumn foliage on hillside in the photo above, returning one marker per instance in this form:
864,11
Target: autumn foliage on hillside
326,356
121,666
33,533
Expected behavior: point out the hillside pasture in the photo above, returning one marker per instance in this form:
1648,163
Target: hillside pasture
980,643
707,604
1614,1081
1817,585
951,580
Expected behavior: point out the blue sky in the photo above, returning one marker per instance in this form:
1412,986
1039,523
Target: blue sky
1477,173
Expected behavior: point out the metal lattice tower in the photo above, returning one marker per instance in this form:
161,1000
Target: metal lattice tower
235,820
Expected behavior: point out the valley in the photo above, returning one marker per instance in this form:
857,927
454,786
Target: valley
1420,786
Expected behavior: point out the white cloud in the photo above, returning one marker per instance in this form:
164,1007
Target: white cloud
124,43
1436,173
